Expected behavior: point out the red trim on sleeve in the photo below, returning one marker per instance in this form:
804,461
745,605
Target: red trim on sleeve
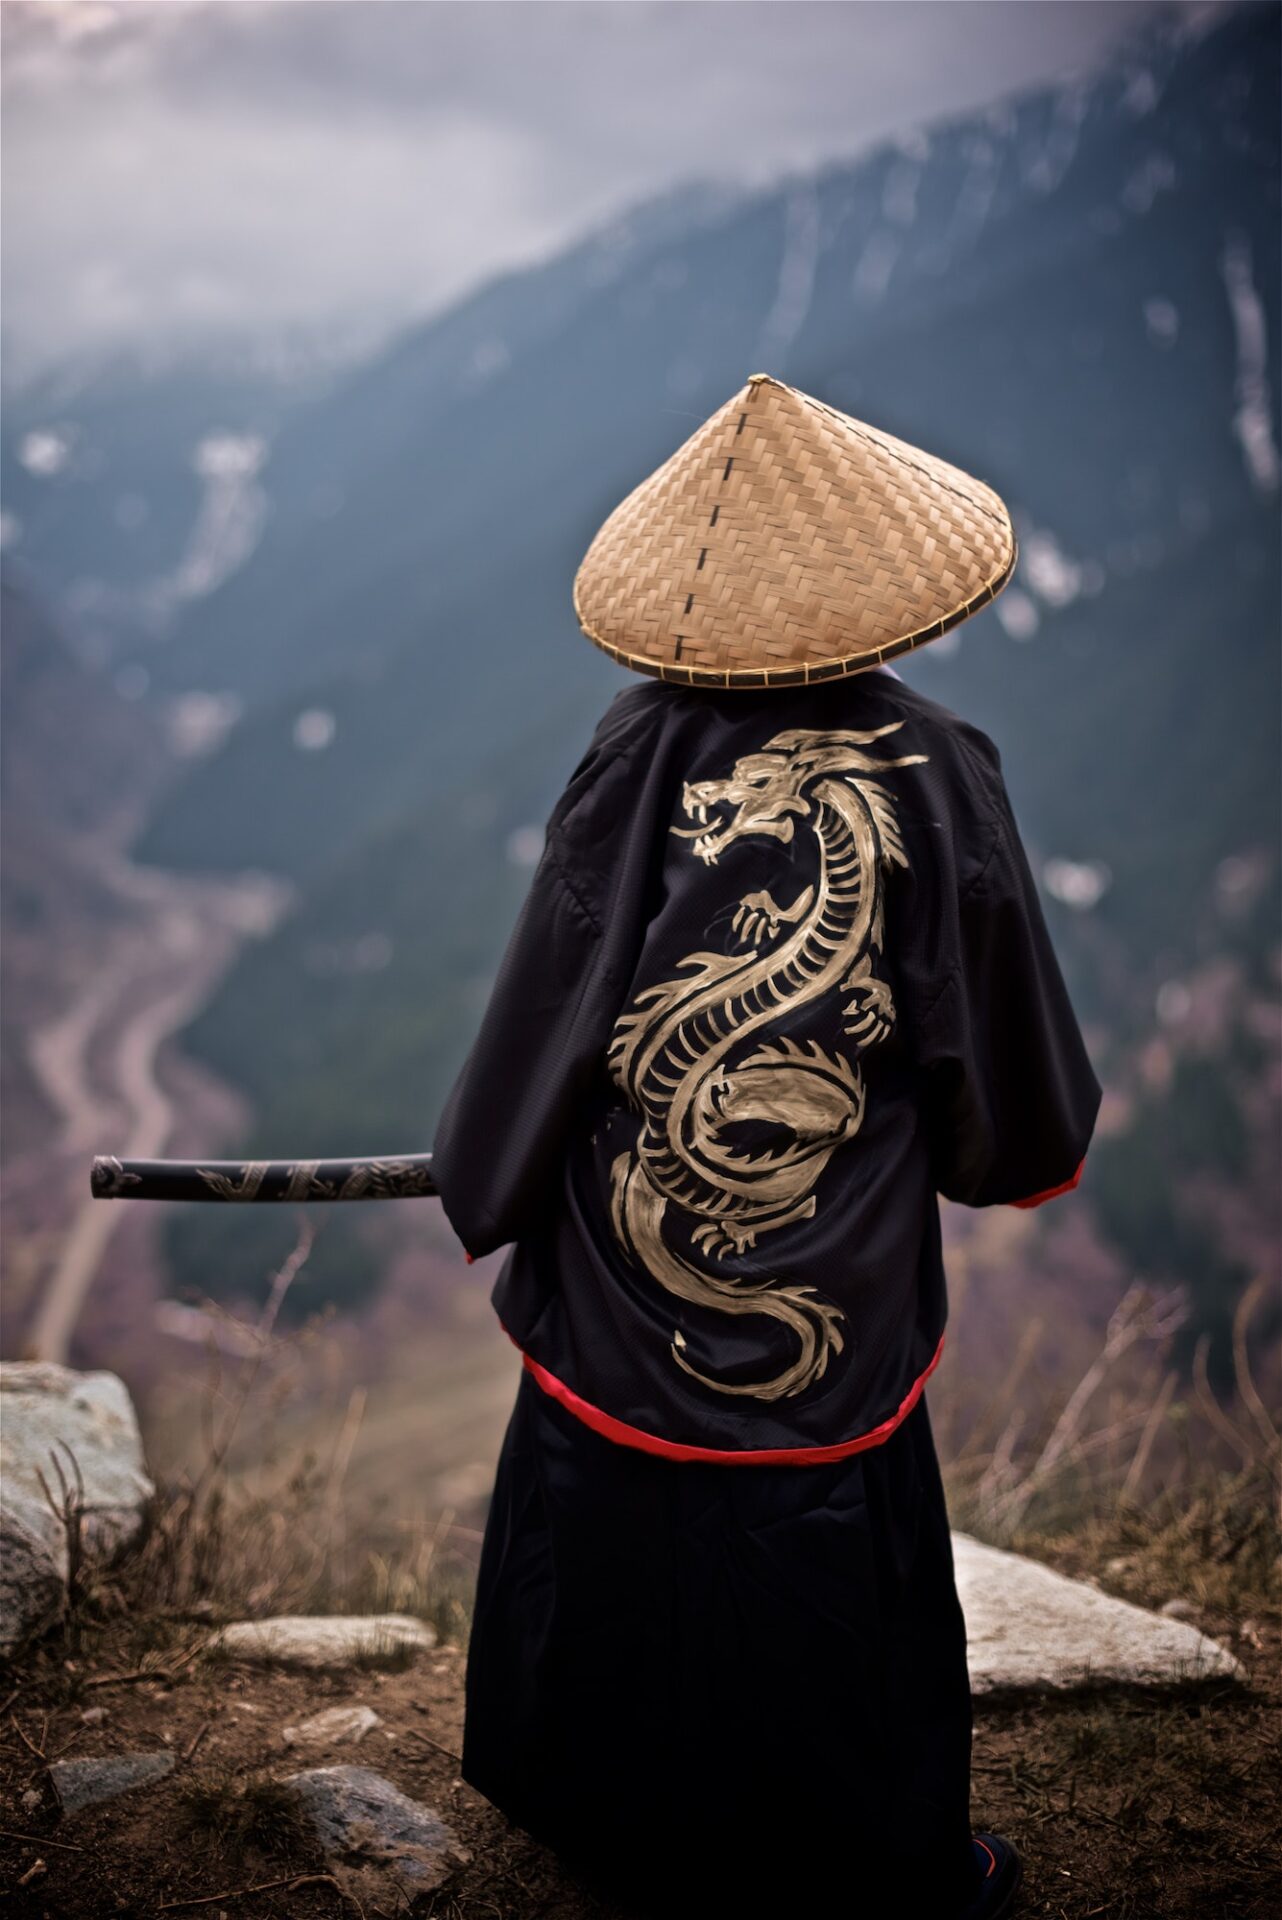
629,1436
1051,1193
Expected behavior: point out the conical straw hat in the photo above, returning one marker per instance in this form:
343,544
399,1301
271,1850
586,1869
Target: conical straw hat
785,542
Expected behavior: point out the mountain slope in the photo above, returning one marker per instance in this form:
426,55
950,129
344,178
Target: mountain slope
1075,294
1056,312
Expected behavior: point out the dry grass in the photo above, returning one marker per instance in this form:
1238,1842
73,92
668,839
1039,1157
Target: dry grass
1153,1486
240,1815
1135,1803
243,1541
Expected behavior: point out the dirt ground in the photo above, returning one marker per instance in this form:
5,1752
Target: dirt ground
1126,1803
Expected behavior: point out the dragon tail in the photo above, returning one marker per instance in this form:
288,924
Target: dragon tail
638,1221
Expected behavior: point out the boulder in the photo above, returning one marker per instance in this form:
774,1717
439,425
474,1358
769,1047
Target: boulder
1030,1627
324,1640
50,1418
384,1849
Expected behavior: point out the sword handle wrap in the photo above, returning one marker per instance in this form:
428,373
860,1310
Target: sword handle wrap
406,1176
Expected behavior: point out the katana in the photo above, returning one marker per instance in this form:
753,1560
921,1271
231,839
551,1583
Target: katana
407,1176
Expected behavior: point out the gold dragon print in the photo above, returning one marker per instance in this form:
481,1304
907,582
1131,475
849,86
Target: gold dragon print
695,1056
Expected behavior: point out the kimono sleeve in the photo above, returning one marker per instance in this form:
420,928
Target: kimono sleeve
1012,1098
501,1134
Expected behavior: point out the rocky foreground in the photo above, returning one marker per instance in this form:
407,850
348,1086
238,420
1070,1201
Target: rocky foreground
330,1745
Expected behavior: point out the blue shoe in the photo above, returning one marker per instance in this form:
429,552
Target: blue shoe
1003,1870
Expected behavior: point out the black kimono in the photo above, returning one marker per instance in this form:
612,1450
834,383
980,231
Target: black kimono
781,978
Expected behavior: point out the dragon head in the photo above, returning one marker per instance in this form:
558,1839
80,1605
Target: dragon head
763,793
767,789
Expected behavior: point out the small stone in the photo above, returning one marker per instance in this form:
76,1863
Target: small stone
94,1716
383,1848
32,1798
1120,1563
320,1641
84,1783
334,1726
1178,1609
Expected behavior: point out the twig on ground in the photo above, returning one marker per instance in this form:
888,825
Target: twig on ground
40,1840
146,1673
416,1733
291,1880
38,1752
195,1740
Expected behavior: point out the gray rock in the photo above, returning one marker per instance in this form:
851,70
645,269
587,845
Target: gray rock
1179,1609
84,1783
323,1640
1030,1627
333,1726
49,1417
33,1567
382,1847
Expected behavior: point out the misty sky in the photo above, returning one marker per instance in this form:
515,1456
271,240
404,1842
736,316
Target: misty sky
342,165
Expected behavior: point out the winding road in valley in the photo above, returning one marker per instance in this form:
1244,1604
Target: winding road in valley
97,1062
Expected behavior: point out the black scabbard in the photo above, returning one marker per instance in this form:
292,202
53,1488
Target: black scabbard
402,1177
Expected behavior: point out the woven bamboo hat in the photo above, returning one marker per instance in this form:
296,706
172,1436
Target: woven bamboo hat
785,542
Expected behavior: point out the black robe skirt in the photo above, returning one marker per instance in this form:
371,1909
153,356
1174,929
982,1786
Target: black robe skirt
718,1688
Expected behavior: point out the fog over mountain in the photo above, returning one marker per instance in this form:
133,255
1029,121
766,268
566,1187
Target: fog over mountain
304,178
